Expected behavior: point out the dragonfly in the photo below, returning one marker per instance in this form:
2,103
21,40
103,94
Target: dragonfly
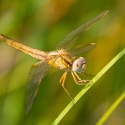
64,58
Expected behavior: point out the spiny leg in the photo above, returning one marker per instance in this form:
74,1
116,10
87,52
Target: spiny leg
87,74
78,80
77,76
62,81
74,77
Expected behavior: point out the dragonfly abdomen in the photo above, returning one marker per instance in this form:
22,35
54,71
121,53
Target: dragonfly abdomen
40,55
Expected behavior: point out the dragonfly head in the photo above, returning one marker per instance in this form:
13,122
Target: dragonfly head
79,65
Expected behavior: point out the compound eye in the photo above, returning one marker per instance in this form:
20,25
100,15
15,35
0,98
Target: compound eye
79,65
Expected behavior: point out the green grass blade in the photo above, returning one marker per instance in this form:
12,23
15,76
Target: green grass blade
111,109
82,92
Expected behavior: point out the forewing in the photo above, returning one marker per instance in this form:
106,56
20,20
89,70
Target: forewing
74,35
37,72
81,49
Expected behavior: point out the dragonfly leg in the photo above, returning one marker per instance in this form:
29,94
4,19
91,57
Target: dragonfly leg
87,74
62,81
77,76
78,80
74,77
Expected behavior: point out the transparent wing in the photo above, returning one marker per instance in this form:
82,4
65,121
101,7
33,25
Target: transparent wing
37,72
81,49
74,35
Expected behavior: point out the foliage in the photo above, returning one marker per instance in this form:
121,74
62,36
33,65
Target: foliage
42,24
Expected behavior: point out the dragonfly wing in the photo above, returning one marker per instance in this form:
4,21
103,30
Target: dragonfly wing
37,72
81,49
74,35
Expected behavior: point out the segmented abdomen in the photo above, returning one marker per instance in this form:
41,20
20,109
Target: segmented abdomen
40,55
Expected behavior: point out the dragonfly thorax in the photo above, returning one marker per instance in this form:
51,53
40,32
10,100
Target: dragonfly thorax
79,65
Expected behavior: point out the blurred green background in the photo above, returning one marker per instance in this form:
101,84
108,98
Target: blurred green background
42,24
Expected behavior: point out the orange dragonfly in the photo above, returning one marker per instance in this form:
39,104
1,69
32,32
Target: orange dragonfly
63,58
